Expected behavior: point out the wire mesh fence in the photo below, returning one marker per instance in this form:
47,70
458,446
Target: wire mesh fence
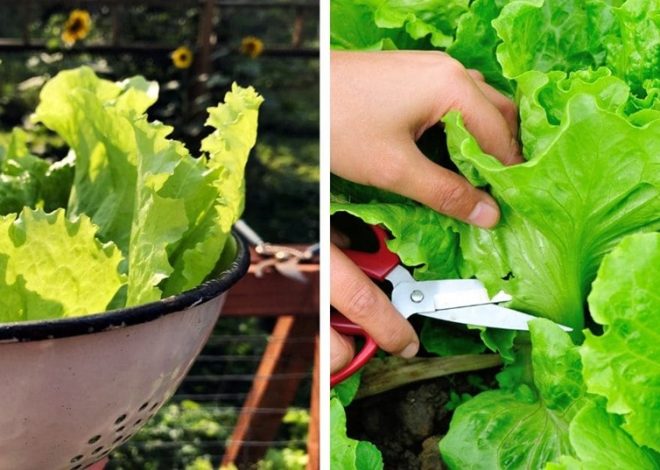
198,422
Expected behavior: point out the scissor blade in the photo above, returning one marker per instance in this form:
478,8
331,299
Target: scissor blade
464,293
413,297
489,315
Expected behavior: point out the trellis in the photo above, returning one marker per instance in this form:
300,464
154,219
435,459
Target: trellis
286,361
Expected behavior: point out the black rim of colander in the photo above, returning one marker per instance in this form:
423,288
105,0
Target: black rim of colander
121,318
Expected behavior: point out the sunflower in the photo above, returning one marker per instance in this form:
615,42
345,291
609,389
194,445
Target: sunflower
76,27
251,46
182,57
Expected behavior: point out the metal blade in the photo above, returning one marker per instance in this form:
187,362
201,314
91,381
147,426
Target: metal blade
489,315
465,293
427,296
399,275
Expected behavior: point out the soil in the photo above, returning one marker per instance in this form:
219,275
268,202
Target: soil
407,424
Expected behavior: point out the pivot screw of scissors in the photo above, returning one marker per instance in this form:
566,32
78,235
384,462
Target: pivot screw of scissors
417,296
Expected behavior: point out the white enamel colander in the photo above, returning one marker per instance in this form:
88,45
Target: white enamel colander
72,390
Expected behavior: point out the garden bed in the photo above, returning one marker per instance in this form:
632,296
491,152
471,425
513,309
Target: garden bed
407,423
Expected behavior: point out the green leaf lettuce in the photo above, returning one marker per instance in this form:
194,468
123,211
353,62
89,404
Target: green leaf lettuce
166,210
526,427
595,182
623,364
37,282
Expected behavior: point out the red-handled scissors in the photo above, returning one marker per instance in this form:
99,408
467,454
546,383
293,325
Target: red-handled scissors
456,300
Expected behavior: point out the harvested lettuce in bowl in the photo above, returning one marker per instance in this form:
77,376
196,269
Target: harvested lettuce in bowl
129,216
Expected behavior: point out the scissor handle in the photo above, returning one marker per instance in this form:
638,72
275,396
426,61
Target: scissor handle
379,264
343,325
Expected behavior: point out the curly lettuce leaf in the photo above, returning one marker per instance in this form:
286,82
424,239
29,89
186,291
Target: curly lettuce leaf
398,24
38,282
547,35
421,237
633,46
121,162
432,19
188,206
170,213
526,427
543,99
347,389
623,364
228,146
89,115
597,437
476,42
29,181
570,35
598,181
215,193
158,221
347,453
444,339
352,27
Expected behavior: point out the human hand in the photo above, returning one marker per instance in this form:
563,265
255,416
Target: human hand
381,104
360,300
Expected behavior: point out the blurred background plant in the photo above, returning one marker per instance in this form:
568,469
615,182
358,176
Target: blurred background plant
202,429
272,48
194,50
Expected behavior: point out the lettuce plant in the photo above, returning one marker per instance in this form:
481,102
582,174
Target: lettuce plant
129,216
577,243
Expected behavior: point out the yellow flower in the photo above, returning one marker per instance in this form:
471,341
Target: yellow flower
182,57
251,46
76,27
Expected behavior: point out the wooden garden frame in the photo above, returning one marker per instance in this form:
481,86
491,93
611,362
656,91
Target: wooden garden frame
296,306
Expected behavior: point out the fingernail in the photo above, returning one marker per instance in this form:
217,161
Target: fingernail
410,351
485,214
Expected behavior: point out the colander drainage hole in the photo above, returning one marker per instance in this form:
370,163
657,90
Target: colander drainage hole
120,419
119,438
97,450
154,406
120,428
94,439
144,405
77,458
137,422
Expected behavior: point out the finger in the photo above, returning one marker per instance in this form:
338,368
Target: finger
354,295
476,75
439,188
485,121
504,105
342,350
